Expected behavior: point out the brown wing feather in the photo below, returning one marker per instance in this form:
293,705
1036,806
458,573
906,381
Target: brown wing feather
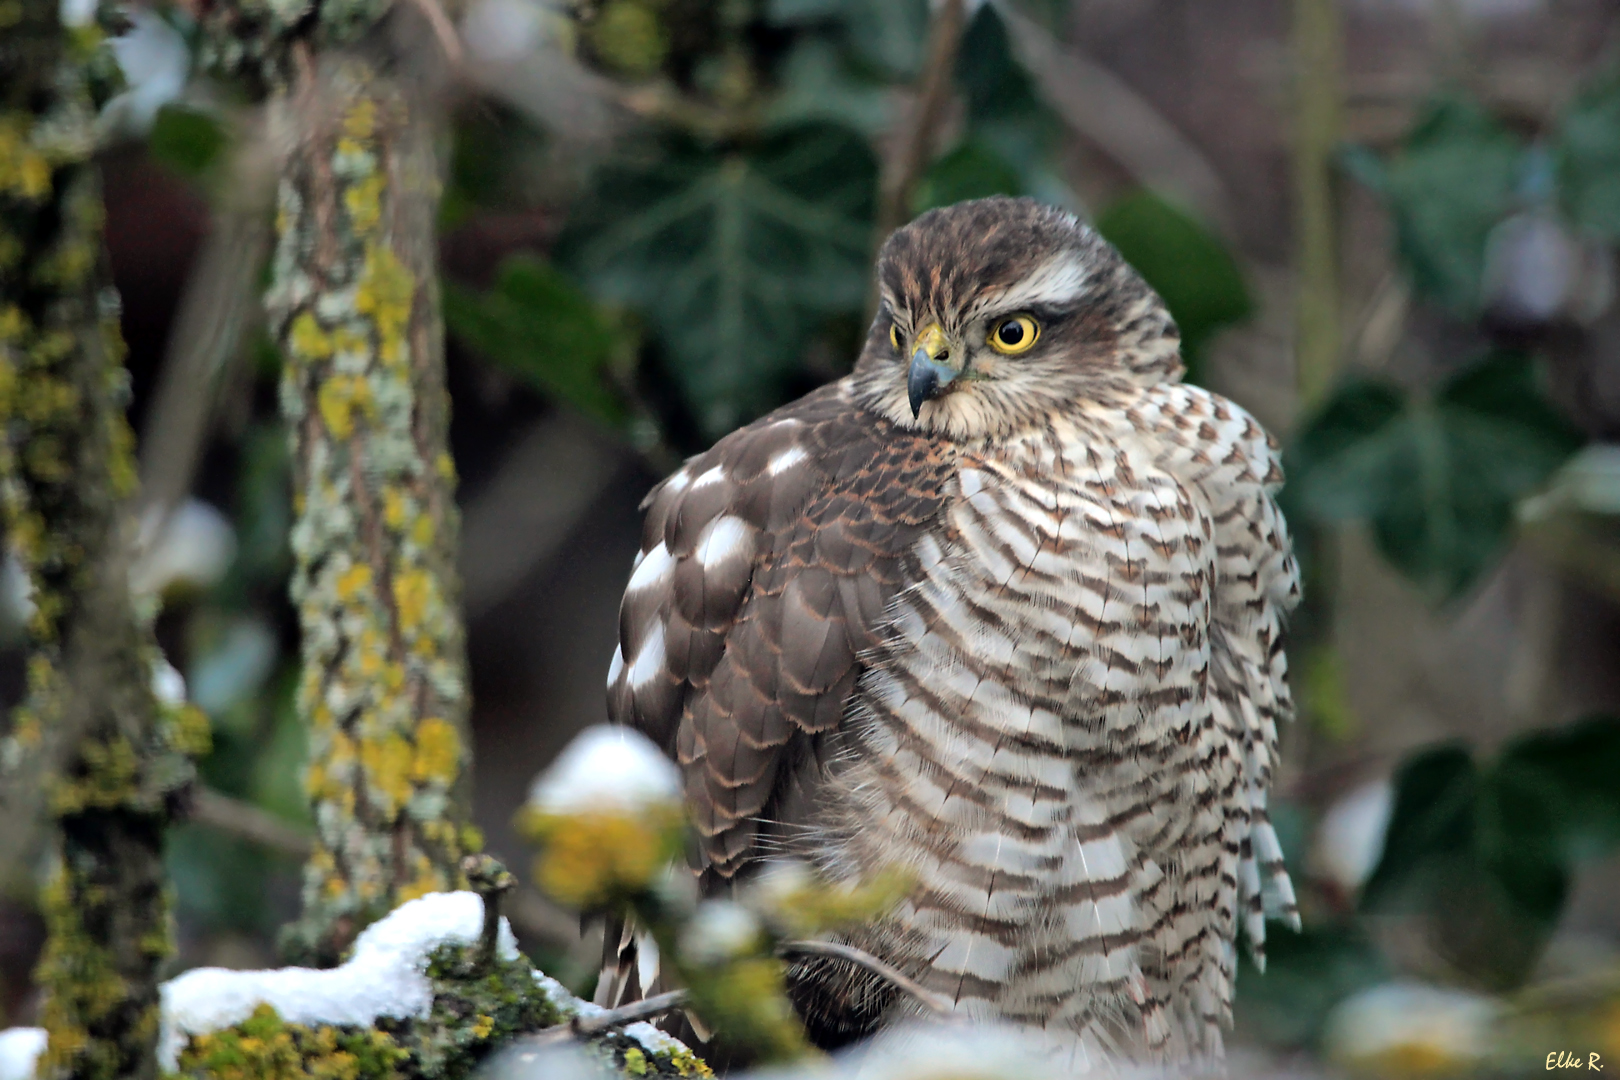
766,567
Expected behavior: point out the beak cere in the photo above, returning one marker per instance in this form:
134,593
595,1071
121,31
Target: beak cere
929,374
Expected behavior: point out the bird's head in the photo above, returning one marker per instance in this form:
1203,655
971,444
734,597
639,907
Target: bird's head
998,313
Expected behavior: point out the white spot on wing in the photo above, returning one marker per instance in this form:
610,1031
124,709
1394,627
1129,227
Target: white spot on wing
678,482
652,570
724,538
616,668
713,476
650,660
784,461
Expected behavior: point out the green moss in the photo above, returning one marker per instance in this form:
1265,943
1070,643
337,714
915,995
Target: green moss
263,1047
479,1005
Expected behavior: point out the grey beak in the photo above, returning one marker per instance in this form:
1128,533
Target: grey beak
926,379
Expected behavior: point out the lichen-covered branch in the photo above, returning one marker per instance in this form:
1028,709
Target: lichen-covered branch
354,305
90,740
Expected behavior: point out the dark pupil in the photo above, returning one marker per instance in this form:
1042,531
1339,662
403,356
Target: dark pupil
1011,333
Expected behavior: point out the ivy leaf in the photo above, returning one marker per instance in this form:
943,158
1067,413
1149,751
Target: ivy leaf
1306,975
971,171
1573,771
1486,850
539,326
1437,478
1451,183
733,256
1587,150
1436,793
1005,113
1185,263
889,36
188,141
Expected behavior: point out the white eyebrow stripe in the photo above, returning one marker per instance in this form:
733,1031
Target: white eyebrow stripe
1060,281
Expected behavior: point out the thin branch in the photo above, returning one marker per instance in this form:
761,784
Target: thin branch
219,302
444,31
1317,124
917,148
244,820
935,1003
530,914
583,1027
1106,111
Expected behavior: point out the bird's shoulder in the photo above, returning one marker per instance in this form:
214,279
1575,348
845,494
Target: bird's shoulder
778,548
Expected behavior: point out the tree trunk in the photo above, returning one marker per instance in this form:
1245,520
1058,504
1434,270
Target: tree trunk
90,740
355,306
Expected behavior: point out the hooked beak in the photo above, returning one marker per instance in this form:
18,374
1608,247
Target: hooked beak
930,373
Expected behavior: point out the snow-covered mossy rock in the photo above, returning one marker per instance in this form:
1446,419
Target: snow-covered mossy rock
426,994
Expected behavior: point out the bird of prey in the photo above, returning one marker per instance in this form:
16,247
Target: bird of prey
1004,608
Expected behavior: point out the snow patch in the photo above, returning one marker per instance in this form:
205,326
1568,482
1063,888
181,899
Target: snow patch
1453,1027
1350,838
20,1047
385,977
197,543
607,767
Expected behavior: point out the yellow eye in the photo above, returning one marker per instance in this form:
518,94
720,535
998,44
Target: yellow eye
894,336
1015,335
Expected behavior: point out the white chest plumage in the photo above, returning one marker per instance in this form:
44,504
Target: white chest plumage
1040,744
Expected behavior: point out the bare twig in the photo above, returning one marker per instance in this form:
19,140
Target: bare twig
583,1027
1102,109
1317,66
524,514
243,819
935,1003
444,31
933,93
220,301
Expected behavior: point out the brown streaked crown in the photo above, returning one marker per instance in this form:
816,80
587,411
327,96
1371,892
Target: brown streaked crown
965,267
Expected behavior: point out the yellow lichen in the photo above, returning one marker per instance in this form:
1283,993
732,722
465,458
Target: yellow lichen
385,293
353,581
364,203
589,858
438,752
394,508
339,398
307,340
361,120
387,760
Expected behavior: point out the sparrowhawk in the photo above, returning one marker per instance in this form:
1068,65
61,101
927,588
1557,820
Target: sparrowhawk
1004,608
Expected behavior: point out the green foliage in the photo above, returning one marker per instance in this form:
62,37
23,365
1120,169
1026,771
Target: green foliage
1588,154
734,255
1449,186
1306,975
188,141
1436,476
1185,263
538,325
887,37
1486,850
971,171
1005,115
1461,172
